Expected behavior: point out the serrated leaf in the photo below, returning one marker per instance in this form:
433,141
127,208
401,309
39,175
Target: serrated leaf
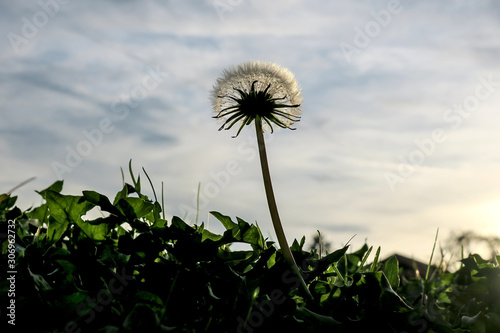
64,209
296,246
225,220
254,236
67,209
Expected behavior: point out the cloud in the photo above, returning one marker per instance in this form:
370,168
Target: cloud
91,60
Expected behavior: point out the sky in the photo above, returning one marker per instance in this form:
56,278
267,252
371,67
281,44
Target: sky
399,131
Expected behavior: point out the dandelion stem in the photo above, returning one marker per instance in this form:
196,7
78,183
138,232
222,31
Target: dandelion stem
273,209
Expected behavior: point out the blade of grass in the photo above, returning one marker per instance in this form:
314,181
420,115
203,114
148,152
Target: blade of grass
6,195
150,183
21,184
346,266
375,261
198,203
432,254
334,266
137,184
320,243
441,266
365,257
162,202
123,177
131,172
350,239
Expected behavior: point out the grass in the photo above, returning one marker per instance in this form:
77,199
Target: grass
132,271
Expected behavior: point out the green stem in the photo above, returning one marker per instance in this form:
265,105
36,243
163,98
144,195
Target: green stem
273,209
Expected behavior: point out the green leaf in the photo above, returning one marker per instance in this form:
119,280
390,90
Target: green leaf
96,232
390,296
361,253
475,323
137,184
160,224
179,223
39,213
156,211
134,208
225,220
326,262
55,187
149,298
210,235
296,247
391,271
236,256
335,256
67,209
6,201
142,318
125,191
249,233
56,229
101,201
39,282
254,236
365,257
375,260
310,319
64,210
211,292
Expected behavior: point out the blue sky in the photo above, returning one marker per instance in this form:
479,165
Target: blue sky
399,131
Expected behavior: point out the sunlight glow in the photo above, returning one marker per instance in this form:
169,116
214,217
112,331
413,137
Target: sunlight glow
491,212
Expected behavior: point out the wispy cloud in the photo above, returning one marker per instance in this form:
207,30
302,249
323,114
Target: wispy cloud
90,61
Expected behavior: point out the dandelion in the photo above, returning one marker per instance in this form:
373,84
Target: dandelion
263,94
257,90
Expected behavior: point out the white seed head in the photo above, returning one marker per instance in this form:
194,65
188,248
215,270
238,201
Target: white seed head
279,82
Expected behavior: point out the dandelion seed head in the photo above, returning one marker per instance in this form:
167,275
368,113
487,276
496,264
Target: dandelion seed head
256,89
